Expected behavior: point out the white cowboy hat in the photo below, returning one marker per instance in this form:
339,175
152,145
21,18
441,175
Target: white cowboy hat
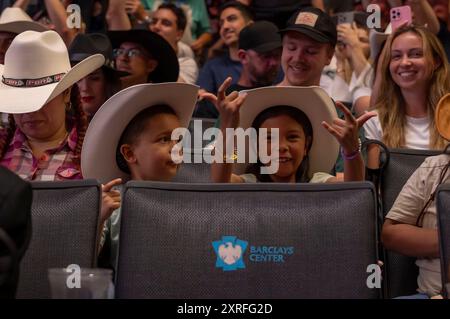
314,102
442,117
98,156
376,40
15,20
37,69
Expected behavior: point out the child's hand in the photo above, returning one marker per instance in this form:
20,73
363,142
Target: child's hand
227,105
346,132
110,199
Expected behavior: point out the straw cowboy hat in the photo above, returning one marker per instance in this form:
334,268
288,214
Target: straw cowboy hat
314,102
15,20
37,69
98,157
442,117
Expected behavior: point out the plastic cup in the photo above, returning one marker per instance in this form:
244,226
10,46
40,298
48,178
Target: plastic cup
88,283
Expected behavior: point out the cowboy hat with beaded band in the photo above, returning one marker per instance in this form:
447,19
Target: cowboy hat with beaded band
15,20
314,102
98,157
37,69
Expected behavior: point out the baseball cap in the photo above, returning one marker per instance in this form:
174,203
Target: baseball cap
261,36
313,23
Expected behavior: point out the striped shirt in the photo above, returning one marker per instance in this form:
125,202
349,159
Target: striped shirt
57,164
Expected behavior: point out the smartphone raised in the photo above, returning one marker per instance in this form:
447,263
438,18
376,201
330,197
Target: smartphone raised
399,16
345,17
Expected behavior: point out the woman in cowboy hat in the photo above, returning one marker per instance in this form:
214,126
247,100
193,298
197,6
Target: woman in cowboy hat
305,151
45,135
410,227
93,90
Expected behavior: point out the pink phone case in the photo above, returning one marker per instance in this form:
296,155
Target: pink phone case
399,15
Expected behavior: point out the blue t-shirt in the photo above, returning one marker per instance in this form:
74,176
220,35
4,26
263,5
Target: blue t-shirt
215,71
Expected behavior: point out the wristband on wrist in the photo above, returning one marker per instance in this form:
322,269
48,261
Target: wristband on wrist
353,154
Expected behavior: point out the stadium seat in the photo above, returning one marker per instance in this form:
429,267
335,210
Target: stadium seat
443,212
247,241
400,272
65,229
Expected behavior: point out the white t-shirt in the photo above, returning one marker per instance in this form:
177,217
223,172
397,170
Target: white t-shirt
188,70
339,90
317,178
417,132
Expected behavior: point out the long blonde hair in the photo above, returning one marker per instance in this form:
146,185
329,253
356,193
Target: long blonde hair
390,103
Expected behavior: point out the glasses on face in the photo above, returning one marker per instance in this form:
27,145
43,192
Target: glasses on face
129,53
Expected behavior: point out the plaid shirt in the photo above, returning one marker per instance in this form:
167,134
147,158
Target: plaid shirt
55,164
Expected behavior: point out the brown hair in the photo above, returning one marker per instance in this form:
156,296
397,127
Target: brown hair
391,104
81,122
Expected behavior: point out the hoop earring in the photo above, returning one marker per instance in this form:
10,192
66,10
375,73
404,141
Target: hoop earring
68,106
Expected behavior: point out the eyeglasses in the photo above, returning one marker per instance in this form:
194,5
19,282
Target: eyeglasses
129,53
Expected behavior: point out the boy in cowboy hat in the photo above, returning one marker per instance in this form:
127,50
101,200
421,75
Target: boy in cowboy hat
410,227
140,146
145,55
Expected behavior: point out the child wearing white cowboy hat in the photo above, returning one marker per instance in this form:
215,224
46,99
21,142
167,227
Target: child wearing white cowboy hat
45,134
410,227
140,145
306,152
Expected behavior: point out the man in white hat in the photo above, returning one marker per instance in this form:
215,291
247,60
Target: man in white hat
12,22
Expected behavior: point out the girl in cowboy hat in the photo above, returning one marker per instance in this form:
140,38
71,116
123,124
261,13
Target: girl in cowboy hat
140,146
413,75
306,152
45,134
410,227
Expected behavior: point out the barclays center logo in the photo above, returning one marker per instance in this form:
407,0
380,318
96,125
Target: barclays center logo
230,251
